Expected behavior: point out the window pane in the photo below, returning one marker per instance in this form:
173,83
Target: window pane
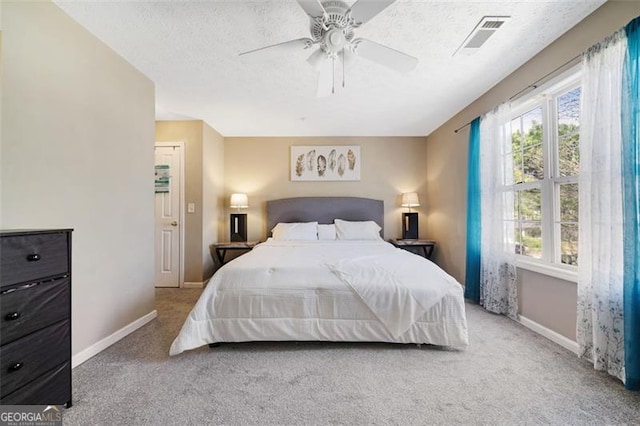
507,173
516,205
569,155
526,145
530,206
516,134
518,176
516,149
532,163
532,127
569,107
530,239
518,239
569,202
569,243
569,132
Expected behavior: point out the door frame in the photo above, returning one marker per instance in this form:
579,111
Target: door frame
181,223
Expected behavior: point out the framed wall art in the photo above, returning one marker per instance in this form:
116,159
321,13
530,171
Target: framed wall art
325,163
162,178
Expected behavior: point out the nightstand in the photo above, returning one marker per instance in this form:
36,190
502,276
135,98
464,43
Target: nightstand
422,248
222,248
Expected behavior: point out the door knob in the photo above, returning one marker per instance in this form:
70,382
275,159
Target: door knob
174,223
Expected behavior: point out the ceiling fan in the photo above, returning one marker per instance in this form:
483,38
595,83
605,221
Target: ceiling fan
333,25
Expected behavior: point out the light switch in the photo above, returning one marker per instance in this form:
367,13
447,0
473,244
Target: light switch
191,207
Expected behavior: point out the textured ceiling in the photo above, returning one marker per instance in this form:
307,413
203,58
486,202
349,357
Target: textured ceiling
190,51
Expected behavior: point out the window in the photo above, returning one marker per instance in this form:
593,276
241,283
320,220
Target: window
542,173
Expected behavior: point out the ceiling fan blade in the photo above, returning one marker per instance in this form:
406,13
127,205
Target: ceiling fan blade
279,49
363,10
312,7
317,58
347,57
384,55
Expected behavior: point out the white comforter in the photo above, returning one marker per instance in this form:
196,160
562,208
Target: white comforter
327,290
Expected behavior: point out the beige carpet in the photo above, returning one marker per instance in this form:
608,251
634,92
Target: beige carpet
509,375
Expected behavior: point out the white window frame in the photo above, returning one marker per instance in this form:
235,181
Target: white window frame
545,96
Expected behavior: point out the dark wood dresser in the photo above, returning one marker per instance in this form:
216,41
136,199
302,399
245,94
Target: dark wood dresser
35,315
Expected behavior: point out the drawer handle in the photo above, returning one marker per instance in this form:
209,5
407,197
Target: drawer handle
15,367
12,316
33,257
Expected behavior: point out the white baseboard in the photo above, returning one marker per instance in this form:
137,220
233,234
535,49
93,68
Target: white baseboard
187,284
103,344
550,334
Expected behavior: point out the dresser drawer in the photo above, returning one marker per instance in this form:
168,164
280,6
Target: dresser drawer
26,359
30,257
52,388
28,309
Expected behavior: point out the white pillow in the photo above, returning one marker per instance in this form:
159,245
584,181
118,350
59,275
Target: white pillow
365,230
326,232
295,231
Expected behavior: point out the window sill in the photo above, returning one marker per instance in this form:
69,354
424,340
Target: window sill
563,273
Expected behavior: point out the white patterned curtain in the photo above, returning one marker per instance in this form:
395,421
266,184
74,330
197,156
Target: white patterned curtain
497,263
600,271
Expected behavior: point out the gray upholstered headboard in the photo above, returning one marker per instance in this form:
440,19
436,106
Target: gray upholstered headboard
323,210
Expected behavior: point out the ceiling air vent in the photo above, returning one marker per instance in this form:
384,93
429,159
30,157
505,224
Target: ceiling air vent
482,31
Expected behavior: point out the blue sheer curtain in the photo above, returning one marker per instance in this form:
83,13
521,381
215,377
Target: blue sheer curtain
631,204
472,277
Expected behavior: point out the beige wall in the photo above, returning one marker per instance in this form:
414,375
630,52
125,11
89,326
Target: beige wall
260,168
446,162
189,132
204,163
549,302
77,152
212,194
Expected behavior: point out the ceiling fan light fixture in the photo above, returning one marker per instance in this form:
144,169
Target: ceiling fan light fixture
316,59
332,30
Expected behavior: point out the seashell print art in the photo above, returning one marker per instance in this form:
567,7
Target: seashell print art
300,165
342,164
332,160
352,159
322,165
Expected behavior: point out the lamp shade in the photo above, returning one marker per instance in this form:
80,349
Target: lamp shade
410,199
239,201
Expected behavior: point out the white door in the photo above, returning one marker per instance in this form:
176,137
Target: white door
168,214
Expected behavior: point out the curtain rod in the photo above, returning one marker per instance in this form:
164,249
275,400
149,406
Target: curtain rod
462,127
533,85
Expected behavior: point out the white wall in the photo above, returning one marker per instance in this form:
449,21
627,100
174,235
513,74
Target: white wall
77,152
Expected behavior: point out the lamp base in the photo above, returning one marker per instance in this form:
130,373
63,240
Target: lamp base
409,226
238,227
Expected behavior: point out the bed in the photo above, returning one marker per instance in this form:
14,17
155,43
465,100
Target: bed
325,274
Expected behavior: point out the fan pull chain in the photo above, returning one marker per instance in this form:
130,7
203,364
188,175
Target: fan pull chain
344,59
333,75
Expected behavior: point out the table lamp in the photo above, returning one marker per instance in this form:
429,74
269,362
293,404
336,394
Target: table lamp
410,219
238,226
